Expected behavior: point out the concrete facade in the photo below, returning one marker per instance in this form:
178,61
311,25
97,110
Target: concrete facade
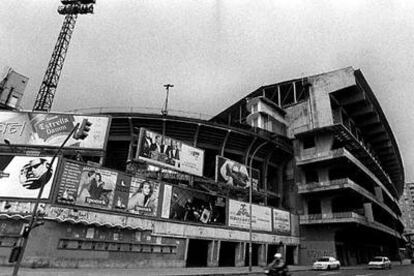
348,170
324,153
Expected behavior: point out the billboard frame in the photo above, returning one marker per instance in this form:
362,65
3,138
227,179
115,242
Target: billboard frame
66,148
49,198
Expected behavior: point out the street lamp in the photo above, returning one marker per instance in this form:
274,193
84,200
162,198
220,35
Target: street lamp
250,199
33,218
167,88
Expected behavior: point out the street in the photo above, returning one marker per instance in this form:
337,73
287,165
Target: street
395,271
398,270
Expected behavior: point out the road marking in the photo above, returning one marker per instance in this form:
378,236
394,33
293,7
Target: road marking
329,273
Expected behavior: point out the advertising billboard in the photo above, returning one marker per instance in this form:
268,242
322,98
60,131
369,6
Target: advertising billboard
189,205
166,152
239,216
22,176
235,173
47,129
88,186
281,221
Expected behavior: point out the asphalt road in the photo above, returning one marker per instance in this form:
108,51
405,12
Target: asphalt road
405,270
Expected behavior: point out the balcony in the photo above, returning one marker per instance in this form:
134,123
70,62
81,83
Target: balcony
342,153
340,184
346,217
360,150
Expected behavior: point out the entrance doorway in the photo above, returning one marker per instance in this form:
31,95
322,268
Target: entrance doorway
197,253
272,249
255,254
290,254
227,253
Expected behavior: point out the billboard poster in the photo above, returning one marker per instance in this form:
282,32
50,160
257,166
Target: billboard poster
281,221
47,129
84,185
22,176
143,197
190,205
169,153
234,173
121,194
166,201
239,216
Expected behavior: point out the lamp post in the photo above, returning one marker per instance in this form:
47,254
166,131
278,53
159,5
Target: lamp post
33,218
250,200
167,88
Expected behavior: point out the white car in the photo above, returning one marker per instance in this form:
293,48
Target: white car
326,263
380,262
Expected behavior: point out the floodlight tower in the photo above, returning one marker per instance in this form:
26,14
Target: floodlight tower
71,9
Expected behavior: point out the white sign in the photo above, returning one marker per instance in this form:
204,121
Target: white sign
166,201
48,129
170,153
239,216
22,176
281,221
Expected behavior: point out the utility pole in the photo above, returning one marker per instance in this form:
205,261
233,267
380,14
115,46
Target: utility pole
165,110
71,9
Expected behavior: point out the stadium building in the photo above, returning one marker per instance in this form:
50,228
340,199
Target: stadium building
316,153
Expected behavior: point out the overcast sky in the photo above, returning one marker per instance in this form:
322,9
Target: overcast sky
214,52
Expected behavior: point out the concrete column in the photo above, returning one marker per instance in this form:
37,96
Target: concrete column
324,142
378,194
323,174
239,256
262,255
212,255
305,207
296,255
368,212
326,207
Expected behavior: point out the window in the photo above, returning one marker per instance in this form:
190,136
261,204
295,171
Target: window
308,142
314,207
311,176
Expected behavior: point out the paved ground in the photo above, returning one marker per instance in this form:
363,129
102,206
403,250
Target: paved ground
397,270
405,270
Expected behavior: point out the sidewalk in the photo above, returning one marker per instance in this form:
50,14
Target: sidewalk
217,271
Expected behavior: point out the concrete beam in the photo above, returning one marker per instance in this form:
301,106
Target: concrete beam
383,145
379,139
356,98
373,119
362,111
385,151
374,130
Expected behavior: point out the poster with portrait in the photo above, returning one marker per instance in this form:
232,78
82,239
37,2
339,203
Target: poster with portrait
239,216
235,174
281,221
86,186
97,187
143,197
169,153
190,205
49,129
23,176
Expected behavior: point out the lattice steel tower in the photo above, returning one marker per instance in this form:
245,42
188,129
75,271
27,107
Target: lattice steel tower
71,9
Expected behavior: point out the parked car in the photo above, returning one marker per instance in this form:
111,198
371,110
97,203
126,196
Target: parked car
326,263
380,262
